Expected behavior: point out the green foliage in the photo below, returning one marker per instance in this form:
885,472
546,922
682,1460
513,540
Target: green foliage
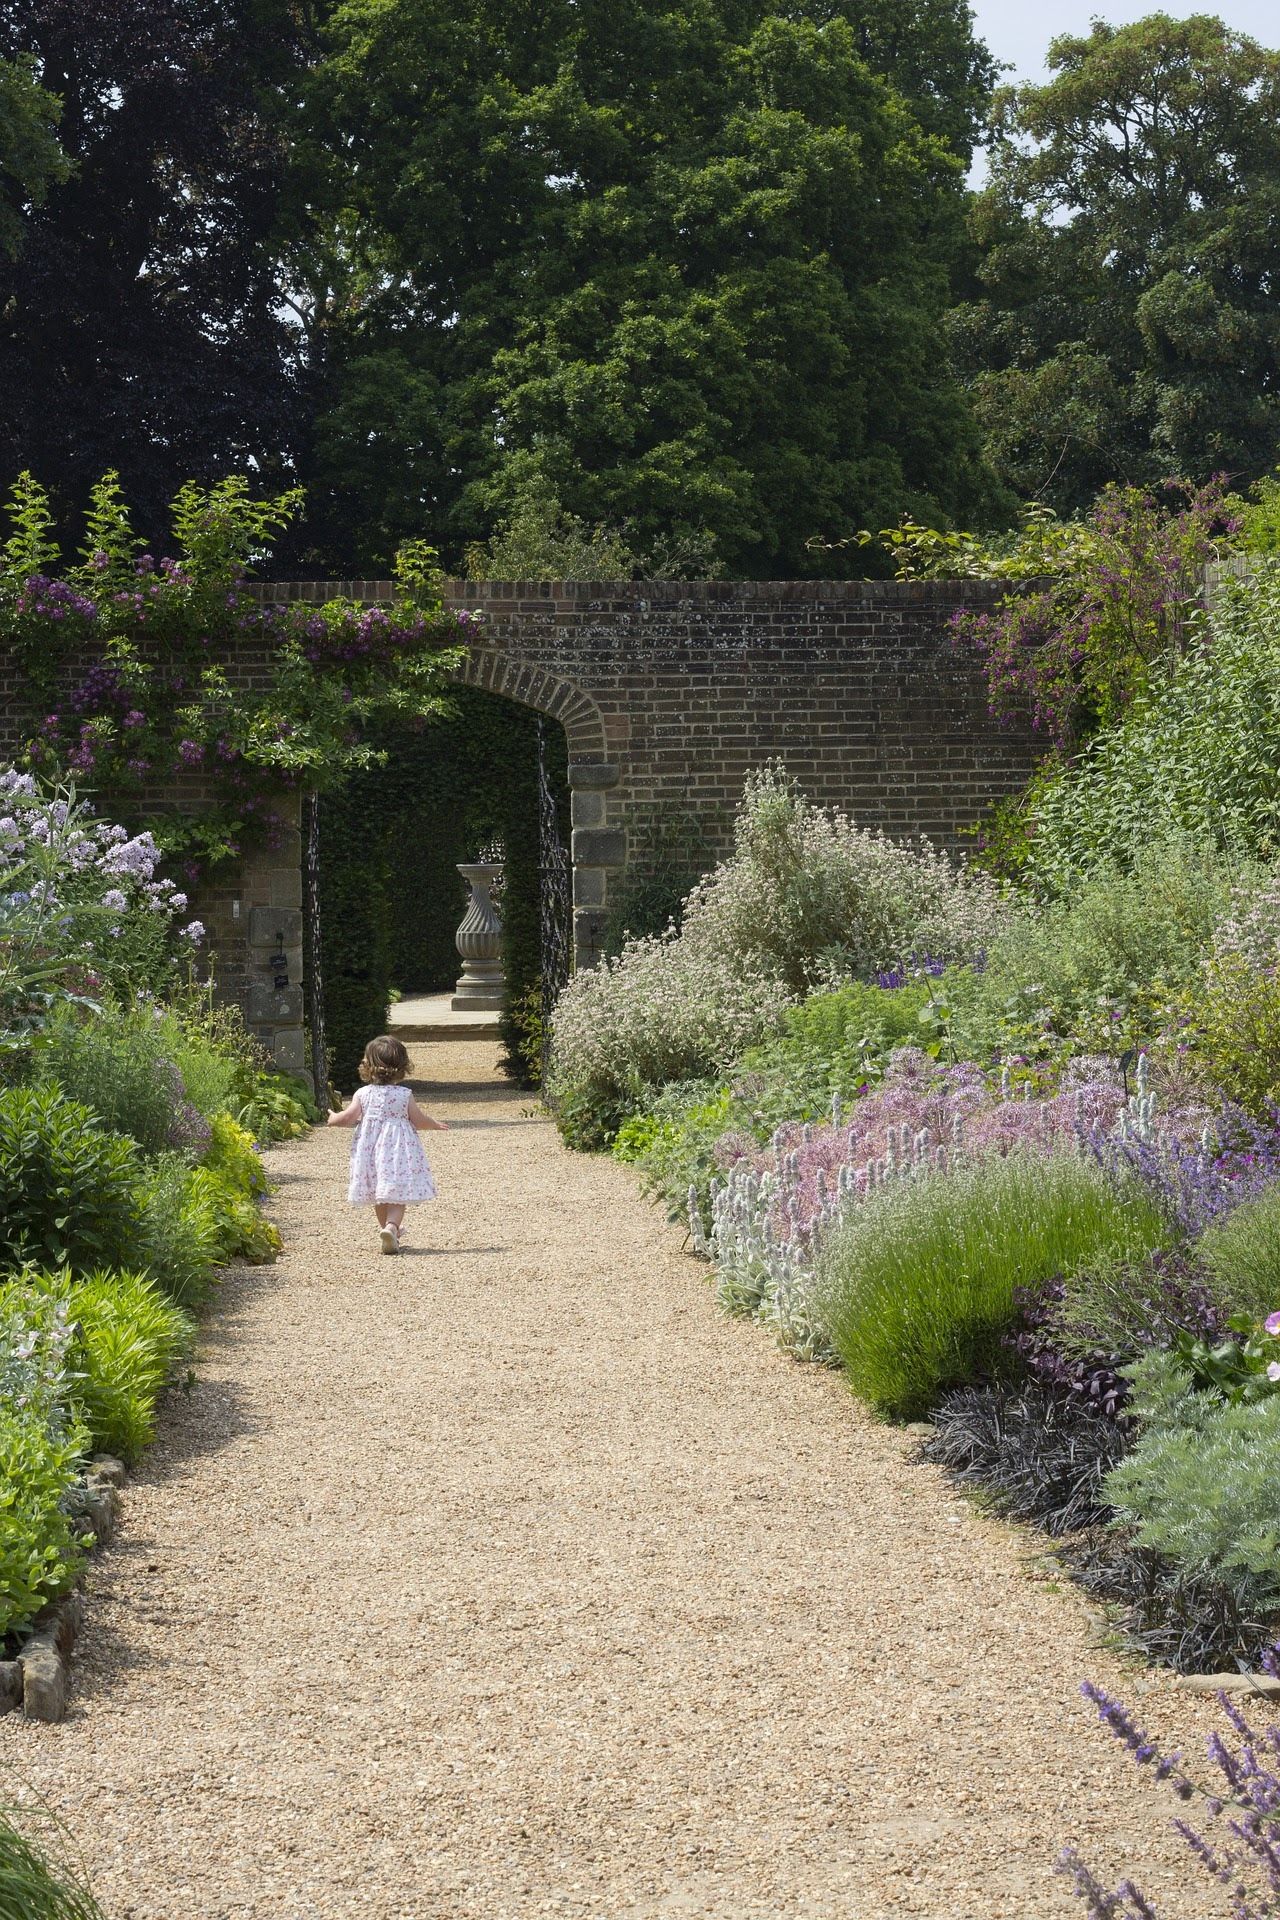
918,1286
232,1156
804,895
1233,1018
115,1061
1199,1485
66,1185
127,1338
693,263
157,702
1123,327
1260,520
1242,1254
39,1552
33,1886
30,157
180,1237
1198,754
1096,971
538,540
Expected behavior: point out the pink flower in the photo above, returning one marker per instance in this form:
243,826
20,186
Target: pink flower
1273,1371
1272,1323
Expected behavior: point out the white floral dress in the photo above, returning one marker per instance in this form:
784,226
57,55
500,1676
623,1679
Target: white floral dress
388,1166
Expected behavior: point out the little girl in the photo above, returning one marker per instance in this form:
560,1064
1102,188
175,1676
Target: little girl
388,1167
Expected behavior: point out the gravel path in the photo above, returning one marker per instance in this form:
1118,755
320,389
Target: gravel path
511,1579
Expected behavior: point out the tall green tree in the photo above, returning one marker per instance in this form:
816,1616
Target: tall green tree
30,157
682,268
140,326
1126,321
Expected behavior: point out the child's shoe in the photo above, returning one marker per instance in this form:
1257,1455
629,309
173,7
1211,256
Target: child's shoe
390,1239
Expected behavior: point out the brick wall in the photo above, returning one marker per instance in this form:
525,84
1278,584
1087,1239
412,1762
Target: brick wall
672,691
669,693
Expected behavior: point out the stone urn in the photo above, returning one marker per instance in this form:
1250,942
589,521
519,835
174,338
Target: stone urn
480,986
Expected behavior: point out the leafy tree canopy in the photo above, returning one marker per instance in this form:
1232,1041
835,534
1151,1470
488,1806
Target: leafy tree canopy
140,326
1127,320
682,268
30,157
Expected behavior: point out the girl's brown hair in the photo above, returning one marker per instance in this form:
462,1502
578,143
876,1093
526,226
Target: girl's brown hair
385,1060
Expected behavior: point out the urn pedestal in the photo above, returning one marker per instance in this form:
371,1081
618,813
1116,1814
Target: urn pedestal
480,985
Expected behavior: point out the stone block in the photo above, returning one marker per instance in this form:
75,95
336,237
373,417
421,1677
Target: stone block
599,846
271,1007
588,809
289,1050
272,926
44,1680
10,1685
284,887
588,935
592,773
589,886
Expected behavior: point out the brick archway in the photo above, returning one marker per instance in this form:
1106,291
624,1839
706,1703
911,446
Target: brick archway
598,848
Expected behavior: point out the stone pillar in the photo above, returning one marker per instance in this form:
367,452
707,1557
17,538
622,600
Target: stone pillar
597,850
271,913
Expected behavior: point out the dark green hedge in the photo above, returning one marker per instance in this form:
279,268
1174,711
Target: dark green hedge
390,842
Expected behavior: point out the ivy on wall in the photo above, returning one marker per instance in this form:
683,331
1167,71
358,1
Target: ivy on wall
391,839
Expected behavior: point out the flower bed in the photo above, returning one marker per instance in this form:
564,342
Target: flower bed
128,1177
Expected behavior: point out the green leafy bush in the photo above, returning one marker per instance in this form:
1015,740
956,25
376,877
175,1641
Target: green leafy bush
917,1286
39,1552
1199,1486
805,894
125,1338
119,1062
231,1155
66,1185
180,1234
1198,753
1241,1254
34,1887
1095,970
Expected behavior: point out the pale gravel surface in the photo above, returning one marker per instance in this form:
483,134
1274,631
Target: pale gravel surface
512,1579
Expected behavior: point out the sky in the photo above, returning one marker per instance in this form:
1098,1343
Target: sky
1020,33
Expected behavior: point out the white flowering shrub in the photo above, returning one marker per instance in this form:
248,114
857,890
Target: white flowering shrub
81,903
806,895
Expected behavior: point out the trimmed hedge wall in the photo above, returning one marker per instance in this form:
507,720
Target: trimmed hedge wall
390,843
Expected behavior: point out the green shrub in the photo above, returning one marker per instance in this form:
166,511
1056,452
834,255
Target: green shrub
275,1106
1242,1255
805,893
179,1240
1199,1486
917,1285
128,1337
242,1231
1198,753
1095,970
39,1552
231,1154
119,1064
125,1338
66,1185
33,1887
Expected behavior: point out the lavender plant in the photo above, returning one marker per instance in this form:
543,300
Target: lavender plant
1238,1849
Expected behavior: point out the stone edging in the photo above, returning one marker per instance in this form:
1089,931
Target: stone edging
37,1680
